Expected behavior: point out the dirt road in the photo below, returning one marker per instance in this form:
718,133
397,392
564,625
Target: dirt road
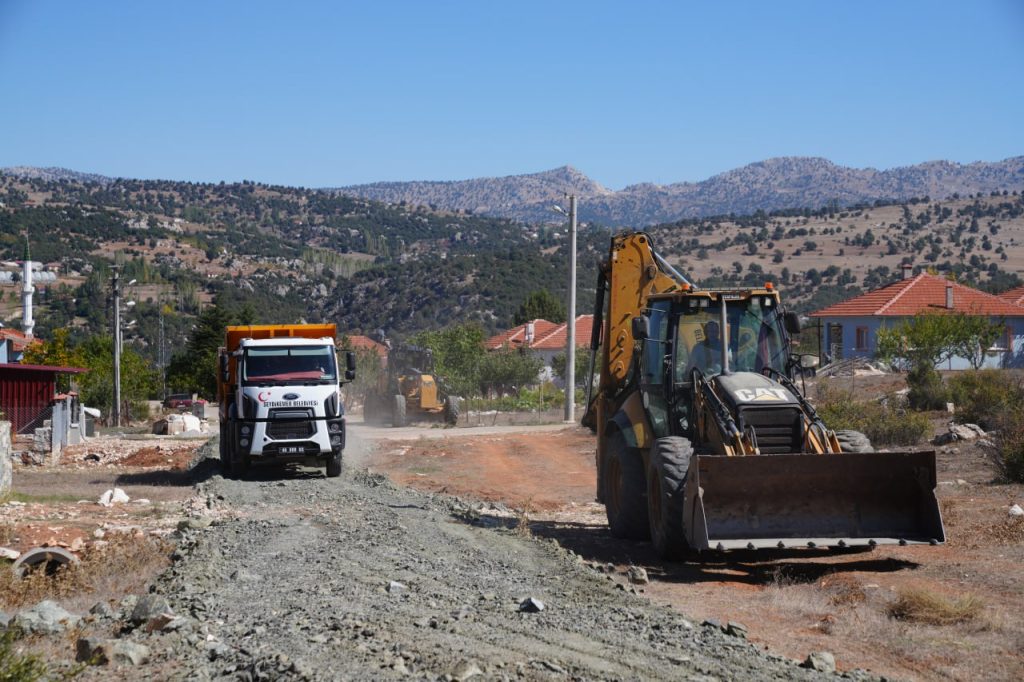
355,578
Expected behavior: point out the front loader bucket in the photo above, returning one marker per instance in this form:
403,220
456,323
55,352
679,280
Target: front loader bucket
812,500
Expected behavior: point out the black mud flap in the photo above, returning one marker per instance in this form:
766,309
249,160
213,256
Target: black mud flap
808,500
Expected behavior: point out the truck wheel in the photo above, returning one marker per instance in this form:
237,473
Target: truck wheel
398,411
625,500
666,499
225,468
451,410
334,466
853,441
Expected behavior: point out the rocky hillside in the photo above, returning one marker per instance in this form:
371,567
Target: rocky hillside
767,185
54,174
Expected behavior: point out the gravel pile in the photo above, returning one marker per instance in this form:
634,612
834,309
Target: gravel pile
352,578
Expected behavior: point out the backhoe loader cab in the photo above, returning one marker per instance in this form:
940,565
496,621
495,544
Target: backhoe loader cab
706,441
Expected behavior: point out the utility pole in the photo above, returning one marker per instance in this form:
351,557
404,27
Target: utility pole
160,353
570,325
570,329
116,412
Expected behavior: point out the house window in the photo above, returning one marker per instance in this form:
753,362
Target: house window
862,338
1004,342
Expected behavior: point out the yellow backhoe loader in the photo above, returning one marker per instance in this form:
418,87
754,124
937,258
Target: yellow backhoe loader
705,441
410,391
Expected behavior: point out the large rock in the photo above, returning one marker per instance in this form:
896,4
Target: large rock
150,606
822,661
45,618
958,432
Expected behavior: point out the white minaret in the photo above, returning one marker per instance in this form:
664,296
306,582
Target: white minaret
27,323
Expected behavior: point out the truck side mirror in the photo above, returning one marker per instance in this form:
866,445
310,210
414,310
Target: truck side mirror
792,322
641,327
350,366
224,373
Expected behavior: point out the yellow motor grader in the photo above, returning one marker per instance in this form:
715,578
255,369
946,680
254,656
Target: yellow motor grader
705,441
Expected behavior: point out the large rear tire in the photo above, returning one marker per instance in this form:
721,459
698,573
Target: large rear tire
625,495
666,498
451,410
398,411
854,441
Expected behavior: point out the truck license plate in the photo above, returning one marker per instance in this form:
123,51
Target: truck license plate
292,450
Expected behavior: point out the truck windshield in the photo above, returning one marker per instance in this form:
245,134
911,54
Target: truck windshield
755,335
281,364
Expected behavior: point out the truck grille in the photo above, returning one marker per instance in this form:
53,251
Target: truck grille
778,430
290,424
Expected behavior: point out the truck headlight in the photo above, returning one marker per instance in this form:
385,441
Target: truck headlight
244,442
336,440
246,430
335,427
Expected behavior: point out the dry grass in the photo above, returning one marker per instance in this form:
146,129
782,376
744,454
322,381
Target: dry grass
522,527
121,567
843,590
918,605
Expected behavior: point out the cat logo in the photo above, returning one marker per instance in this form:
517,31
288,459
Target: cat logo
758,395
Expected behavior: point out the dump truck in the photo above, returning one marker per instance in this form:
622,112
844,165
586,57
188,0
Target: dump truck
279,396
705,440
409,390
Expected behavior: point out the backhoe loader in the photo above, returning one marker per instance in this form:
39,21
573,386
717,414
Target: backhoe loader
410,391
705,441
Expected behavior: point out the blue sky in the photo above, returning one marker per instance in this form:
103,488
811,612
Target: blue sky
334,93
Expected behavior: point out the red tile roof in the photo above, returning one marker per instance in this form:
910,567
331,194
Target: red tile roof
20,340
359,342
1015,295
546,335
920,294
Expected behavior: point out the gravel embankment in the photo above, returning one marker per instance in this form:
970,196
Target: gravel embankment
353,578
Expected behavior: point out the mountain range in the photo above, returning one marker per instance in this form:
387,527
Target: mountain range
774,184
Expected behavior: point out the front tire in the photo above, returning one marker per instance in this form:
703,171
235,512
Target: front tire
334,466
666,495
854,441
625,496
398,411
451,410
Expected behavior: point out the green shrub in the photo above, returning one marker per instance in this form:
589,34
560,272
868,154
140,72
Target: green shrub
982,396
1010,443
886,422
927,392
16,666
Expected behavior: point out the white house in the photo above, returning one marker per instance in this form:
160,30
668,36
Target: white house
544,338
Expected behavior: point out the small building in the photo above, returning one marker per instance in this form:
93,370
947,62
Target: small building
359,342
546,339
12,345
27,393
850,328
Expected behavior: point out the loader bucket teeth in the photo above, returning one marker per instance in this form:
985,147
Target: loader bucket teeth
839,500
